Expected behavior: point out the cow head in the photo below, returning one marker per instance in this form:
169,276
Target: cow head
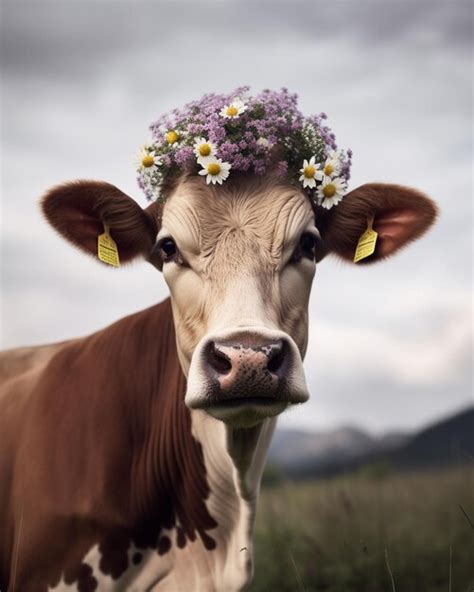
239,260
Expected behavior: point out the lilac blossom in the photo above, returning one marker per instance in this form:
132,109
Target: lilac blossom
272,116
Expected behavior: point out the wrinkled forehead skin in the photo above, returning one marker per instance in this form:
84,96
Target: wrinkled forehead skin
237,239
220,224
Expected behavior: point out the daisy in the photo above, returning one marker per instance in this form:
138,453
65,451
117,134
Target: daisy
331,191
234,109
332,166
172,137
204,150
148,160
310,173
216,171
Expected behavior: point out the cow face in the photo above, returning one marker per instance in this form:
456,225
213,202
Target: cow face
239,260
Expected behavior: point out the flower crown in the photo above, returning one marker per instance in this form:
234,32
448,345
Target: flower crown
223,133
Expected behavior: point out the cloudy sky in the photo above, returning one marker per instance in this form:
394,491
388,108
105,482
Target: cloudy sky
391,344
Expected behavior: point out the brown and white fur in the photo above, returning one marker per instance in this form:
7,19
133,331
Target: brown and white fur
131,459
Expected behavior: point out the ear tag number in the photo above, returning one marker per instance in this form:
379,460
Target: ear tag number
367,241
107,248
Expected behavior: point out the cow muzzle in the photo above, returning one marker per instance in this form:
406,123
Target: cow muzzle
246,375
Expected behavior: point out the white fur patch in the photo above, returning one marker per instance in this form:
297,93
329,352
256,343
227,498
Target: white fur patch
137,578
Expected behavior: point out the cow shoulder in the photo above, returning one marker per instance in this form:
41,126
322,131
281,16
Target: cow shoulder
17,361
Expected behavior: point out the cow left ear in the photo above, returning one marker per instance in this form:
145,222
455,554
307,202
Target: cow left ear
400,215
79,211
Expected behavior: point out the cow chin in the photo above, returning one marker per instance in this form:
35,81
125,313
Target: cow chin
245,376
247,415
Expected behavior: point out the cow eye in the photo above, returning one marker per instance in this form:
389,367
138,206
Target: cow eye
168,248
308,245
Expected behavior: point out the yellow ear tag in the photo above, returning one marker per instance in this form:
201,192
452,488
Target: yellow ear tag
107,248
367,242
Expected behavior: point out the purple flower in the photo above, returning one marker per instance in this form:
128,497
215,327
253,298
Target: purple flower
282,168
272,115
184,155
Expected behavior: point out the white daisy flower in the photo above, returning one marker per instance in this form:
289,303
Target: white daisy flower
234,109
331,191
147,159
332,166
310,173
204,150
215,170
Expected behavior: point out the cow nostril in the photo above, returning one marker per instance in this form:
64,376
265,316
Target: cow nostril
218,360
276,357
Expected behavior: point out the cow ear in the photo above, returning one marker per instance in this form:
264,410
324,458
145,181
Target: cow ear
79,210
401,215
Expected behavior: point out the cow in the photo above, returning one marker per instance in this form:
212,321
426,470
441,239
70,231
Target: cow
131,459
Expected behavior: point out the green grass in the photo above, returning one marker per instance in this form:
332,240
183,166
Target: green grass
389,533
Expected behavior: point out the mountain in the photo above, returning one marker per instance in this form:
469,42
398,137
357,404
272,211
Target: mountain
302,454
294,450
450,441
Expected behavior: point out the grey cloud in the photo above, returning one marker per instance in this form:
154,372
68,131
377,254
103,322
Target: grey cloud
33,32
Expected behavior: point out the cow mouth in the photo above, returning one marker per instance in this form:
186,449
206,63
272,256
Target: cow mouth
241,396
242,411
267,402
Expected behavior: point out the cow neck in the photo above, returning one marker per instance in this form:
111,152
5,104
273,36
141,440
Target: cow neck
234,460
190,473
168,480
235,457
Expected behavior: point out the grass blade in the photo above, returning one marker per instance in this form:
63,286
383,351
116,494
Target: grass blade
298,576
466,516
450,568
387,563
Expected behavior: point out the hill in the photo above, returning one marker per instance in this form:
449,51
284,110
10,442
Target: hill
291,449
449,441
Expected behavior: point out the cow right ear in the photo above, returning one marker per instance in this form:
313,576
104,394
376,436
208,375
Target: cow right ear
399,215
79,210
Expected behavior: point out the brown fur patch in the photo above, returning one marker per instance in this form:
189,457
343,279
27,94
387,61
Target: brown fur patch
103,455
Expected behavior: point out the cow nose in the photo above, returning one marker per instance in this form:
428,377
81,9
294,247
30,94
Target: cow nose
243,361
247,370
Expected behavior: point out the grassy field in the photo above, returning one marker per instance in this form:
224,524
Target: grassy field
392,533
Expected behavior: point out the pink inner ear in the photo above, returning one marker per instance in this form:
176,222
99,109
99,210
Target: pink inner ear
394,229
